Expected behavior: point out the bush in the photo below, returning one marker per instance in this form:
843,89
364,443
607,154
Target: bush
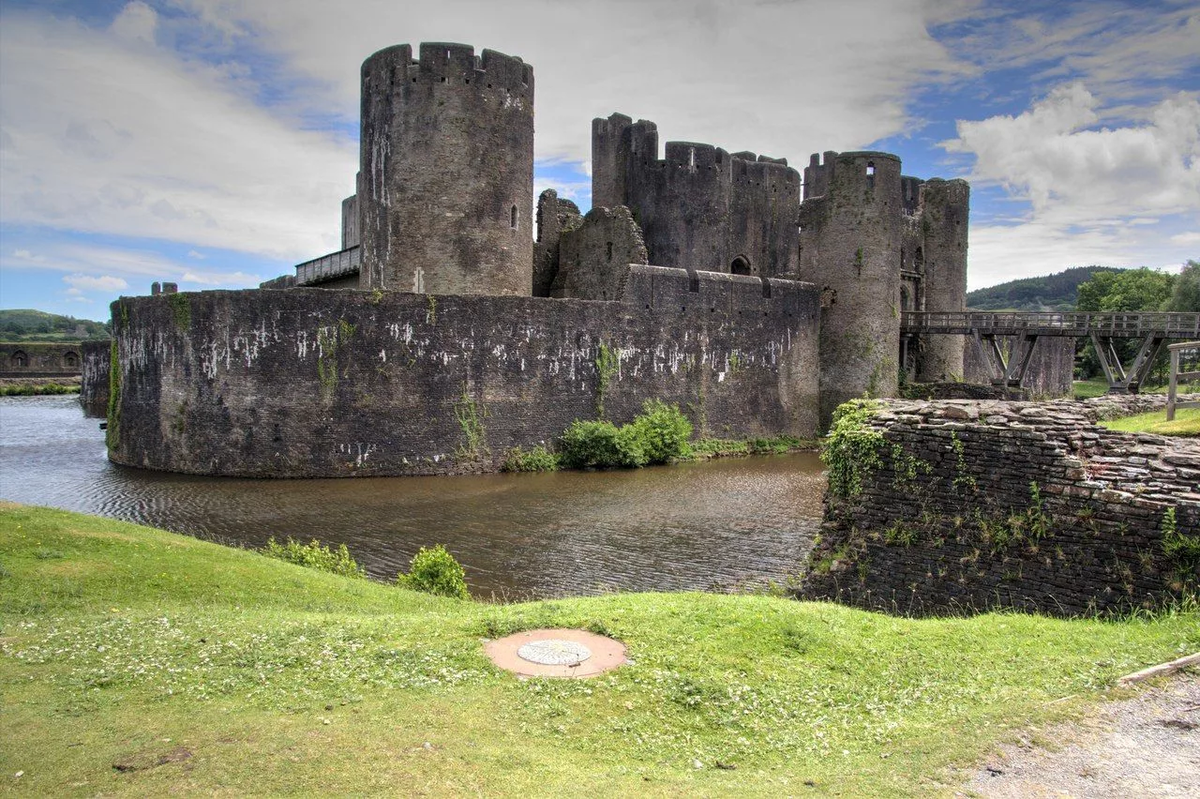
662,430
538,459
314,556
601,444
435,571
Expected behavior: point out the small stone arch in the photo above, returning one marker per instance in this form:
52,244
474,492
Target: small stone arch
740,266
70,359
20,360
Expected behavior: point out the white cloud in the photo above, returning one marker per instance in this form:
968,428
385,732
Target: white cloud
102,283
1053,155
786,78
1186,238
152,145
136,22
199,256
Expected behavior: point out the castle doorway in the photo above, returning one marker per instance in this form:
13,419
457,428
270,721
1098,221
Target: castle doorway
740,266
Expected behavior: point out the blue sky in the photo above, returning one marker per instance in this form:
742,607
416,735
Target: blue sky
210,142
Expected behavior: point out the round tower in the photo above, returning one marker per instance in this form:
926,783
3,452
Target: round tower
943,224
850,237
446,171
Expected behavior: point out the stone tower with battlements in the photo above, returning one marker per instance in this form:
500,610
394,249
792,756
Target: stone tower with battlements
445,187
699,207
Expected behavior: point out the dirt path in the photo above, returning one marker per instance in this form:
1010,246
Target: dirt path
1148,746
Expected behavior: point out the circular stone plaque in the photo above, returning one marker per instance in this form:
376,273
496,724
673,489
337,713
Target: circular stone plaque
554,652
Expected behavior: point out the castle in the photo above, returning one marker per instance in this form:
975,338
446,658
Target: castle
756,299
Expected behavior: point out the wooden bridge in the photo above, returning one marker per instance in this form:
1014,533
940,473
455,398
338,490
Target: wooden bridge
1153,329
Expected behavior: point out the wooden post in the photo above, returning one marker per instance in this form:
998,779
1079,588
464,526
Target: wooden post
1173,385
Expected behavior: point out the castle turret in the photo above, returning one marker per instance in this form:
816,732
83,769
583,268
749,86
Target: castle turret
850,240
446,171
943,225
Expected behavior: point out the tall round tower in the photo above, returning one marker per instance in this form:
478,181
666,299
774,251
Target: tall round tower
944,210
446,171
850,237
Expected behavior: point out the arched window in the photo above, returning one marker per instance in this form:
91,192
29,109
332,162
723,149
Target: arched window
20,360
70,360
740,266
512,217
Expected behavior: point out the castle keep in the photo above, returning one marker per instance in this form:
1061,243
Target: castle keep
446,331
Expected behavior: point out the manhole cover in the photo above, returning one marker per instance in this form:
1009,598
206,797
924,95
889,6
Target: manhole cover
554,652
557,652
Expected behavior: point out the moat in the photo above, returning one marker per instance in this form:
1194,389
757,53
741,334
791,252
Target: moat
696,526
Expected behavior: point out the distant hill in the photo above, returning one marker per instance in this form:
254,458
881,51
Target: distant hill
1049,293
30,325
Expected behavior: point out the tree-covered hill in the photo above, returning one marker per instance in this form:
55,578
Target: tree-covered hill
30,325
1055,292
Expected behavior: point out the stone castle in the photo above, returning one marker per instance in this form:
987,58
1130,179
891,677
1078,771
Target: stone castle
756,298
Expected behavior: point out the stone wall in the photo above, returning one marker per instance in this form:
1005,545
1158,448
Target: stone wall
974,505
40,358
594,257
699,206
308,383
93,388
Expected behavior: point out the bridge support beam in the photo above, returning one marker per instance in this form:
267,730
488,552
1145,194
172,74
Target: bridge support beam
1004,371
1119,380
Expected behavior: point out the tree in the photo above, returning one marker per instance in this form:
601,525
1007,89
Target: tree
1186,296
1127,291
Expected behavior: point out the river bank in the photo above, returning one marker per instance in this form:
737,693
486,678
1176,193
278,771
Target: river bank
136,662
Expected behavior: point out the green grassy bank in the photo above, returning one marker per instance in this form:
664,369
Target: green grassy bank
137,662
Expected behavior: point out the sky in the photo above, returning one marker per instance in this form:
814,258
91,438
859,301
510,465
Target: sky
210,142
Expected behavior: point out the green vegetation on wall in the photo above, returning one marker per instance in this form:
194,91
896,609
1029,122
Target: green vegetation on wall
851,450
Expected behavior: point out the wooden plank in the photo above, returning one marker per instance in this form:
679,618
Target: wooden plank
1160,670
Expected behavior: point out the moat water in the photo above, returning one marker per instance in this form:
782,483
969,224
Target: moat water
698,526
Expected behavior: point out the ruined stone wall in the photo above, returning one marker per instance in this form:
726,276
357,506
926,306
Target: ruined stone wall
943,217
446,171
553,217
1050,373
699,207
40,358
308,383
594,257
350,234
850,240
973,505
93,388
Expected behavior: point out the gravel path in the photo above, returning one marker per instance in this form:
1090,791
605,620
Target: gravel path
1148,746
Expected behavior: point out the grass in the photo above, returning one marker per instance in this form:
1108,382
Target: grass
134,662
1185,423
35,388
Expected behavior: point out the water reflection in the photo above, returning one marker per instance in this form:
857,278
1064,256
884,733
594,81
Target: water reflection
693,526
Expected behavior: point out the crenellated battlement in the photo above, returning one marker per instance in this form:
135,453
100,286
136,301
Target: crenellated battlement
452,64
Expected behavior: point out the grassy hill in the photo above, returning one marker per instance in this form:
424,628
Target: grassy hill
29,325
136,662
1047,293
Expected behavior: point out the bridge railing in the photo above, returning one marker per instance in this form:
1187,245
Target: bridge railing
1052,323
328,267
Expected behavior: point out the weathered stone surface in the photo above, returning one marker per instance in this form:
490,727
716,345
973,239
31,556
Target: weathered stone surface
446,171
93,389
40,358
308,383
1061,517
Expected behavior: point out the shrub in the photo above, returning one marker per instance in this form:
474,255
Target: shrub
662,430
538,459
435,571
601,444
851,451
314,556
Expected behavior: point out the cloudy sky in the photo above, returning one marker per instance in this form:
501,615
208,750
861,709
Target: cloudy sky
210,142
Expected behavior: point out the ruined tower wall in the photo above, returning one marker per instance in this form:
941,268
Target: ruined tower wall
850,237
350,237
554,216
943,224
699,206
764,204
446,162
595,255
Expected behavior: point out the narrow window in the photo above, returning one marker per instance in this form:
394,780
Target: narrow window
609,250
19,359
870,169
512,217
692,157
